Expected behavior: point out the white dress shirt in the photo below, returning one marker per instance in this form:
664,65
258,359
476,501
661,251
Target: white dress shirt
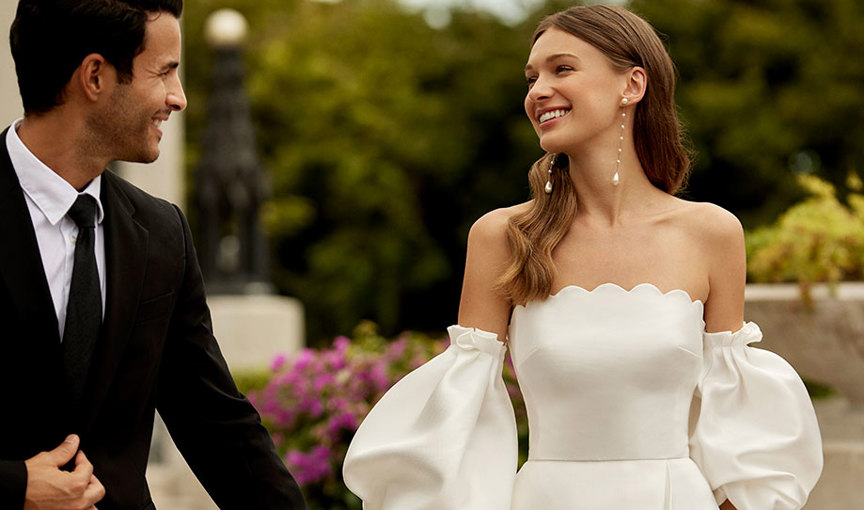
49,198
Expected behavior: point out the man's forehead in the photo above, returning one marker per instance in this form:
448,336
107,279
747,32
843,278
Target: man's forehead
162,38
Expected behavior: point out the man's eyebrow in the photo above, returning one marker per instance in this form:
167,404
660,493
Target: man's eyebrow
550,58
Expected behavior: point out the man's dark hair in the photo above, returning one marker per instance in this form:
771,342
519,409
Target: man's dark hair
50,38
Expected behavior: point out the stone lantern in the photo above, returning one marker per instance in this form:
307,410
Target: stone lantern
230,184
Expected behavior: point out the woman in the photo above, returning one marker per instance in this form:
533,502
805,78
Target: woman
639,394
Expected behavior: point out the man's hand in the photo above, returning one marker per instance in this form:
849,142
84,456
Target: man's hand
50,488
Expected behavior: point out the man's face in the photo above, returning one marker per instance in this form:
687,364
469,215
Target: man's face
130,123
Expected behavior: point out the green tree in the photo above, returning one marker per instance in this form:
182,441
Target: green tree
386,139
768,88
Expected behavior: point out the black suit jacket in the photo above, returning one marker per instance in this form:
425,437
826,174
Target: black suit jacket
156,351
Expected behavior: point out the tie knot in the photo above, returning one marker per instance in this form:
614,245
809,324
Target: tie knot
83,211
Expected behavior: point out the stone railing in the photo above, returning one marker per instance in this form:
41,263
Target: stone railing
824,341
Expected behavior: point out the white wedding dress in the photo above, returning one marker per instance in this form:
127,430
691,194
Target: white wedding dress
631,406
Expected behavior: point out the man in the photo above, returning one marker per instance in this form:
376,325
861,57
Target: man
102,303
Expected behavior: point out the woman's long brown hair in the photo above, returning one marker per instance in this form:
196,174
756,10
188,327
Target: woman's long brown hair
627,41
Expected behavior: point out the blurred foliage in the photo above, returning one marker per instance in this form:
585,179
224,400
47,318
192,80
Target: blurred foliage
819,391
768,88
817,240
251,379
387,138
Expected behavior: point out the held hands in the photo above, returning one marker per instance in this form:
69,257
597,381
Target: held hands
50,488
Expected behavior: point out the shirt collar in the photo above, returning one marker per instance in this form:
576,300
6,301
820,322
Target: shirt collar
50,192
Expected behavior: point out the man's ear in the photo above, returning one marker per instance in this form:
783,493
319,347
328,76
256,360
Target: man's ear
637,82
94,76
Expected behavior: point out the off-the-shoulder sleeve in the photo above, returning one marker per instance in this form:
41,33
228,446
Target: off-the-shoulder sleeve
443,437
756,438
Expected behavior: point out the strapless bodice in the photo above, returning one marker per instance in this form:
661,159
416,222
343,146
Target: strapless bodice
608,374
609,377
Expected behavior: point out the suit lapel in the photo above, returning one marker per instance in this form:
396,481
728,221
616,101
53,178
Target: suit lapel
126,260
23,275
20,262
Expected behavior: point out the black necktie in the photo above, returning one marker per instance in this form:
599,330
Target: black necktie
84,308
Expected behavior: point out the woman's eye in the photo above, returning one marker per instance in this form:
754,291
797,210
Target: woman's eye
530,80
562,69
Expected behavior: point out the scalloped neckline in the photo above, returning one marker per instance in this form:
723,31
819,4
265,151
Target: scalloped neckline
568,288
680,295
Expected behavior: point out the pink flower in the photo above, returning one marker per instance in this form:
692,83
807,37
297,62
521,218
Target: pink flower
379,377
322,381
312,405
337,404
304,358
396,349
278,362
341,343
335,359
345,421
310,467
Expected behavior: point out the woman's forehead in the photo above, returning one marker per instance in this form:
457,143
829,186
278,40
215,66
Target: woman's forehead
555,42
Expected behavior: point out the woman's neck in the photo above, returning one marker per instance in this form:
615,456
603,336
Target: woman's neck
602,202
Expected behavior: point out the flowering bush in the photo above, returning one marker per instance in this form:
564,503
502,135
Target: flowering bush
313,402
818,240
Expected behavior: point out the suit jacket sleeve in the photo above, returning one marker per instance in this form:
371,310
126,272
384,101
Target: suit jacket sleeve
13,483
215,427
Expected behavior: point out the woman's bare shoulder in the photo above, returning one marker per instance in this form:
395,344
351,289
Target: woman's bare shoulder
493,225
719,237
482,305
709,223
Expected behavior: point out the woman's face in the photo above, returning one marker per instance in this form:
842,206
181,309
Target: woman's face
574,94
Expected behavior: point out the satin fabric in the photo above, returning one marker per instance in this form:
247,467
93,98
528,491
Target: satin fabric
443,437
756,438
630,405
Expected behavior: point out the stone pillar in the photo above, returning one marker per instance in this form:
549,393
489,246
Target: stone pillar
10,100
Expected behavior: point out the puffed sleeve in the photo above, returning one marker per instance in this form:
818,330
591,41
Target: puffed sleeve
443,437
755,438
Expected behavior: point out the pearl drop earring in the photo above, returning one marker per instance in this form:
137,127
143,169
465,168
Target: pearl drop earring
548,188
616,178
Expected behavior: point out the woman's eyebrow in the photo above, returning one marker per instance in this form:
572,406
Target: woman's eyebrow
556,56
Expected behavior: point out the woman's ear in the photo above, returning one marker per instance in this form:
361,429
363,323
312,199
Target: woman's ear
636,84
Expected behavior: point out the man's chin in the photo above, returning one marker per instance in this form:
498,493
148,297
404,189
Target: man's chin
151,158
143,157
